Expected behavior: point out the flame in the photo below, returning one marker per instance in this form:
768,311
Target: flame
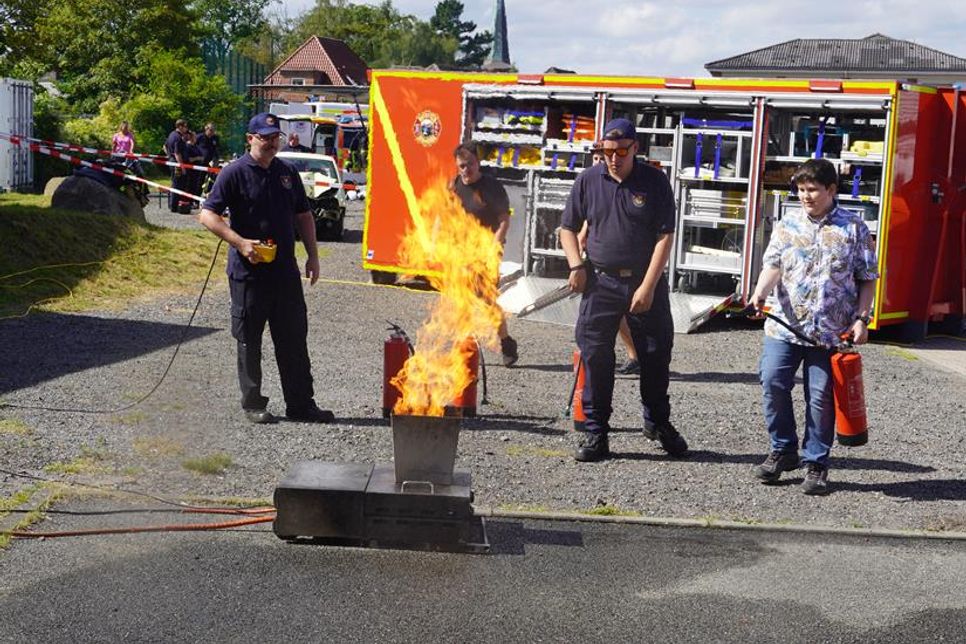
465,256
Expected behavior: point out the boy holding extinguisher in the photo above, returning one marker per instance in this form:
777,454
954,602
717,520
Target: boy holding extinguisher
818,276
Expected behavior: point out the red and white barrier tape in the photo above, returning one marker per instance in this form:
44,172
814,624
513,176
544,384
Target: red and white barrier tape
117,173
153,158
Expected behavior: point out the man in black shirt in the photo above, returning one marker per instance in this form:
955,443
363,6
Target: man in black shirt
484,197
629,209
293,145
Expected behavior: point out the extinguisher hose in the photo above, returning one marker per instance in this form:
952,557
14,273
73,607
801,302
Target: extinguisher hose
479,351
749,310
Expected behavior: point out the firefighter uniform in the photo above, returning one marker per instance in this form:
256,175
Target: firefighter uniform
625,221
263,204
177,151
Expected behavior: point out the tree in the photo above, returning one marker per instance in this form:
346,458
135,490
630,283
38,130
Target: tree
448,22
225,23
172,85
93,44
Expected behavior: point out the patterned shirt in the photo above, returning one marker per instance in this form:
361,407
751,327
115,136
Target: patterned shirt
821,263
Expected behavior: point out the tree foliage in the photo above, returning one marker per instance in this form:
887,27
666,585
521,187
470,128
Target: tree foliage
224,24
448,22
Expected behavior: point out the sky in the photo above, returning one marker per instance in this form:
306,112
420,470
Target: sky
678,38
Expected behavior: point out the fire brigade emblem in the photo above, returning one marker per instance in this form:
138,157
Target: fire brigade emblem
639,199
426,128
286,181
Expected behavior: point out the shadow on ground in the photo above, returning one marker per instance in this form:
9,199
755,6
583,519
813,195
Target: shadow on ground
45,346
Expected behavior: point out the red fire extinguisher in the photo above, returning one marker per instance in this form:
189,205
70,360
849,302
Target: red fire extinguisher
395,352
576,404
464,404
851,427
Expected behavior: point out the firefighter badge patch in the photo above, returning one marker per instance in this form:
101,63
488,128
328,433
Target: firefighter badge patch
286,181
426,128
639,199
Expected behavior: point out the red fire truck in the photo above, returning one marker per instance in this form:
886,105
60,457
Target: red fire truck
729,147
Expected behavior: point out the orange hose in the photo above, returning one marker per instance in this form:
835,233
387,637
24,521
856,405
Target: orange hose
182,527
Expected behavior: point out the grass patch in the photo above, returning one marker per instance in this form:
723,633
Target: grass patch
611,511
35,515
80,465
158,447
131,418
15,426
231,501
899,352
212,464
72,261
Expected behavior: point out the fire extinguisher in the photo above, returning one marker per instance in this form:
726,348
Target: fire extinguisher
464,404
851,424
575,404
395,351
851,427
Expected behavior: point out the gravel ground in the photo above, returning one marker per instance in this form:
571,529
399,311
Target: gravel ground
910,476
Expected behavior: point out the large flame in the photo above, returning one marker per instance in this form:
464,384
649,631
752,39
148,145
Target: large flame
465,257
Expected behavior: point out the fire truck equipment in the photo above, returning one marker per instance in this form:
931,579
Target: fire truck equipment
851,427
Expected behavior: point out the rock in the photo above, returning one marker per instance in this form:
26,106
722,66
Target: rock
87,195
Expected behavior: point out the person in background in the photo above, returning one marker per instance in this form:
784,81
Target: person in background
210,145
265,200
123,140
195,157
629,208
631,366
174,147
484,198
293,145
818,276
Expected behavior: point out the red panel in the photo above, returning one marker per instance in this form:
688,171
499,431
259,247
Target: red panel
424,159
914,224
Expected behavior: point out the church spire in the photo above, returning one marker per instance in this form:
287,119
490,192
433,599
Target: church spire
499,58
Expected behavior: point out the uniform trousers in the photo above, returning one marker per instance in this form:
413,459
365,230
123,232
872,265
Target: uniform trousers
279,301
606,299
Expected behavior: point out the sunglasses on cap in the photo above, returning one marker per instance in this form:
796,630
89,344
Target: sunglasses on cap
621,152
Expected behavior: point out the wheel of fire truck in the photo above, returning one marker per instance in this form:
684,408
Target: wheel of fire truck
383,277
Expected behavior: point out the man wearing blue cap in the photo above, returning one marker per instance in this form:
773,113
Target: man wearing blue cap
265,200
629,210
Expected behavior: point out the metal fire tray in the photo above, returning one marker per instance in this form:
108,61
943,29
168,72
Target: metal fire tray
363,505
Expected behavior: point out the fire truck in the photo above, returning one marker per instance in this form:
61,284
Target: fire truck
729,148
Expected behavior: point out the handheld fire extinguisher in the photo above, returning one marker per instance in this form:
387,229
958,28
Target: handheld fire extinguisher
395,351
575,403
464,404
848,390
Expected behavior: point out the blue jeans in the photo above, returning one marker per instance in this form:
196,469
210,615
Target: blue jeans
779,363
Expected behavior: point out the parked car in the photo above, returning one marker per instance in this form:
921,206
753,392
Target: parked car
325,190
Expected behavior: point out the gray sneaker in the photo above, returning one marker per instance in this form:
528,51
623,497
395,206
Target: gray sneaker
774,464
816,479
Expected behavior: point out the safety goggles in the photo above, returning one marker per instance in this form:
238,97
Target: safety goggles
620,152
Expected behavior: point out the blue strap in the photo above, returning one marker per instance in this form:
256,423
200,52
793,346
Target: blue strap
553,161
727,125
573,161
516,157
697,155
821,139
717,156
499,157
573,128
855,181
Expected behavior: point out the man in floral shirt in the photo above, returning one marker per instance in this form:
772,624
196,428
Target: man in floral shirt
818,275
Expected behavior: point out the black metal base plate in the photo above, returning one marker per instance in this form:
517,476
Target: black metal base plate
355,504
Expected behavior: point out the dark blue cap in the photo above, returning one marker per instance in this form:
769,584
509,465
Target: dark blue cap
617,129
264,124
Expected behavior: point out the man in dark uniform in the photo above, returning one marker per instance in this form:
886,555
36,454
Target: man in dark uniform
175,148
485,198
209,144
265,199
629,209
